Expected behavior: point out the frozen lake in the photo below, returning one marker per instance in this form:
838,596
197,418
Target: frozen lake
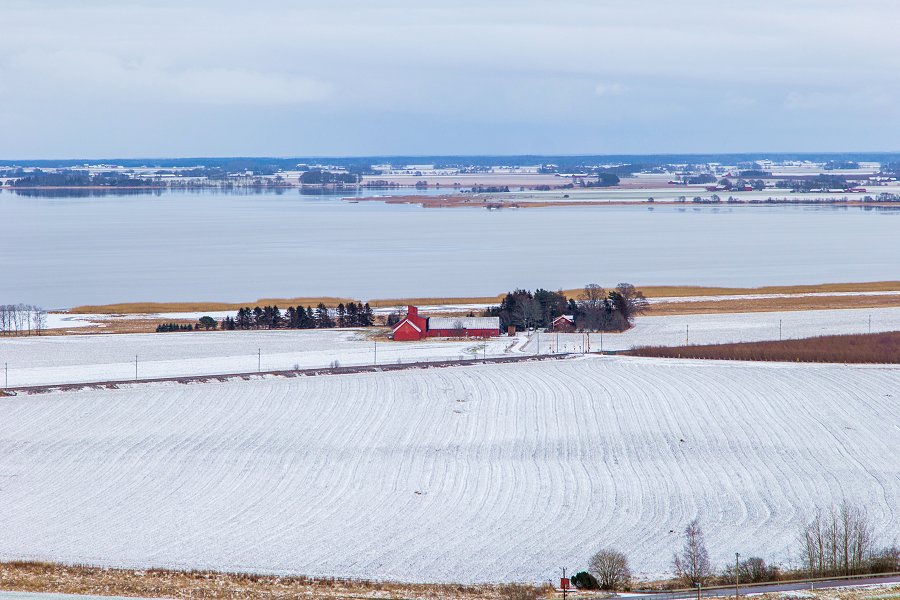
61,252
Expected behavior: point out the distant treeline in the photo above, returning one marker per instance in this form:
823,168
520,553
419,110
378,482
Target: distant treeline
352,314
603,180
22,319
40,178
319,177
621,164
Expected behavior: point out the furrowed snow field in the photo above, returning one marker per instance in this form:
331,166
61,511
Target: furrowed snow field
464,474
86,358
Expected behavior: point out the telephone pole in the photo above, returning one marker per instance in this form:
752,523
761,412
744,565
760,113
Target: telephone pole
737,573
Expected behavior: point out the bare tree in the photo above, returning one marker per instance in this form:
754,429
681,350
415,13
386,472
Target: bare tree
39,320
459,328
16,319
528,311
692,563
592,296
610,568
629,301
838,542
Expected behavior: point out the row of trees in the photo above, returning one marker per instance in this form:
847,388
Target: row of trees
595,309
836,542
22,319
352,314
39,178
168,327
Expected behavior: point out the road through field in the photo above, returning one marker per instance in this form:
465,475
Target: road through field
479,473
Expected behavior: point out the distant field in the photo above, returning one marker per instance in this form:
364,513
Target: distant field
865,348
785,303
649,291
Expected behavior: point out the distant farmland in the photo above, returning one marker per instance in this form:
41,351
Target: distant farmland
865,348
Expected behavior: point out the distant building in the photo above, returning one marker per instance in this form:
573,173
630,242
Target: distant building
563,324
414,327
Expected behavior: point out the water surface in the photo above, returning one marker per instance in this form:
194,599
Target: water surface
61,252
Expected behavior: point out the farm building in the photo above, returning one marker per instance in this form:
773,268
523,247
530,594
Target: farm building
563,324
414,327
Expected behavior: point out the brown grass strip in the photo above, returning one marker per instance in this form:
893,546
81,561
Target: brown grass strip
649,291
193,585
773,304
874,348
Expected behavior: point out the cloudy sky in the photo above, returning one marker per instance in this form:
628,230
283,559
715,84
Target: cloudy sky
348,77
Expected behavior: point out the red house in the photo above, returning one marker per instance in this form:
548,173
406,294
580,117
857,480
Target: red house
563,324
413,327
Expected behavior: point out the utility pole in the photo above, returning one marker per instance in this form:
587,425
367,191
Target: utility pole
565,584
687,335
737,573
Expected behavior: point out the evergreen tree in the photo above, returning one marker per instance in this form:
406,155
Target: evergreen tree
353,314
323,319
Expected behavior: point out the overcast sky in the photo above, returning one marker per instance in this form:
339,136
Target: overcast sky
276,78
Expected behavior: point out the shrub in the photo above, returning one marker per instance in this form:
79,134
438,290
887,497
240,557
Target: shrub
585,581
515,591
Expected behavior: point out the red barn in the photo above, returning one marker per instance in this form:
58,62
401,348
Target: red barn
413,327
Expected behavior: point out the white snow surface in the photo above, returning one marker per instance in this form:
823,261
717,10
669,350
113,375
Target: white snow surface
42,360
723,328
463,474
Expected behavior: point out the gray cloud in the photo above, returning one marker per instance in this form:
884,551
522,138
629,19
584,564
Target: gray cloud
493,76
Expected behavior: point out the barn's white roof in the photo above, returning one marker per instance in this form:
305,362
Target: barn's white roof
404,322
464,323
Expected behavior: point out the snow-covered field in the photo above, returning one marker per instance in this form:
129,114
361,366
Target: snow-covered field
485,472
728,327
86,358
